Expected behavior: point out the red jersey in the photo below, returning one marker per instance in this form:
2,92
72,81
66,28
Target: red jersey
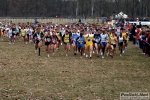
138,30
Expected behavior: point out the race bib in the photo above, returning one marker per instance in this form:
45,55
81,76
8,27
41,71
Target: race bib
80,41
48,39
97,40
54,40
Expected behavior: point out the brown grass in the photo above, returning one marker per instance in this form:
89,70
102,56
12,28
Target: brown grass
24,75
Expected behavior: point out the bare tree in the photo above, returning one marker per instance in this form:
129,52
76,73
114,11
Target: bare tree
65,8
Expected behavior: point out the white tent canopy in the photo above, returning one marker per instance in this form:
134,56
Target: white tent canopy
121,15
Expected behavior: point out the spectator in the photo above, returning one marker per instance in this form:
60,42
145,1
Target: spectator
148,44
138,29
143,40
133,33
80,19
35,20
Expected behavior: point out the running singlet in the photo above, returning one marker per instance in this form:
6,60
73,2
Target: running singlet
120,39
109,35
41,31
112,39
74,36
118,31
38,36
58,35
66,38
10,33
17,29
89,39
124,35
30,32
54,39
97,38
23,32
14,31
48,38
104,37
80,41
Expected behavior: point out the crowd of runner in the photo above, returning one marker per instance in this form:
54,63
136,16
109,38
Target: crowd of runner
84,38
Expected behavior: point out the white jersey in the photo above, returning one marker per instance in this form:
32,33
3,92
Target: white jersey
38,36
62,32
118,31
30,31
120,39
9,32
104,37
27,31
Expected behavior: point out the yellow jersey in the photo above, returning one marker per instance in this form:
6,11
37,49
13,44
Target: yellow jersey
109,37
89,39
66,38
58,35
124,34
112,40
23,32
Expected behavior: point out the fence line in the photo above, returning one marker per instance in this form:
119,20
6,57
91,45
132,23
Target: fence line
45,20
146,42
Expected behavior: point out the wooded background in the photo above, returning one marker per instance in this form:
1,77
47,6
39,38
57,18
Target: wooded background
73,8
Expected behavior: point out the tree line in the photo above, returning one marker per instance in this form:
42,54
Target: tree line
73,8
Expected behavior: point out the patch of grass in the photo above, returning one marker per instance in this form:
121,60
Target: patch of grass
24,75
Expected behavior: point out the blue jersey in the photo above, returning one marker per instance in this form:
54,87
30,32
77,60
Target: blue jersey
80,41
97,38
74,36
104,37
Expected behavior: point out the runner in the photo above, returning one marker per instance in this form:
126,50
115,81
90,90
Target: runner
118,30
30,34
27,34
17,32
97,41
54,41
38,40
10,35
113,40
120,43
23,34
1,32
104,39
125,42
48,41
89,43
108,44
58,34
80,43
70,33
13,34
62,33
75,34
66,40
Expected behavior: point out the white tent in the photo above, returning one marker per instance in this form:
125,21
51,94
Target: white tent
121,15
